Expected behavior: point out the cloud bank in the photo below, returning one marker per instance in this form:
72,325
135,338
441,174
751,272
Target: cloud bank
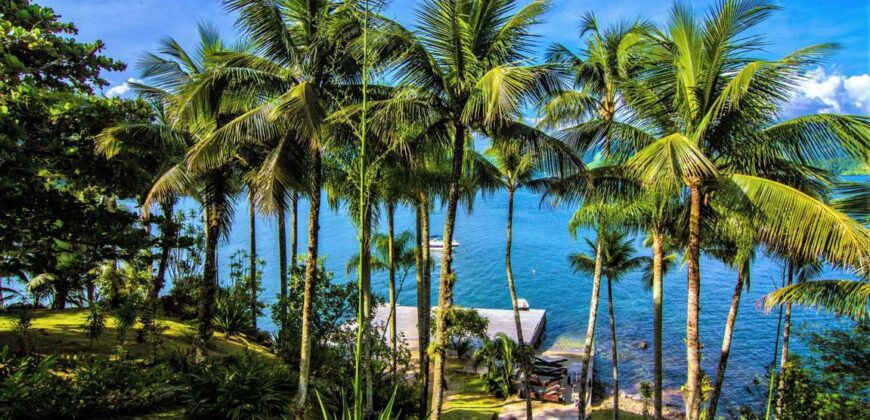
832,92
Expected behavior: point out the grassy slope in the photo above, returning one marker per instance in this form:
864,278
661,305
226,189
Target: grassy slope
467,397
63,332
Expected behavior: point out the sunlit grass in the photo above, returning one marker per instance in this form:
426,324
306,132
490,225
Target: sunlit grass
467,397
63,332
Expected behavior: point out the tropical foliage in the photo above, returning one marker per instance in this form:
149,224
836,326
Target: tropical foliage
673,130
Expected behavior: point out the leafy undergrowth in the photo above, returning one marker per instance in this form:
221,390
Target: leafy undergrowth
62,332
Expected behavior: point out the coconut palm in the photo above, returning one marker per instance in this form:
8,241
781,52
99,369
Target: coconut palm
166,77
588,116
732,242
462,73
395,255
849,298
715,108
515,169
617,259
301,70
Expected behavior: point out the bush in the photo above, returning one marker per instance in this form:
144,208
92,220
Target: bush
502,358
109,387
335,304
244,387
49,388
28,389
232,313
464,326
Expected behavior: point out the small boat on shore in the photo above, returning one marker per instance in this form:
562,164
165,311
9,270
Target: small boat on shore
436,242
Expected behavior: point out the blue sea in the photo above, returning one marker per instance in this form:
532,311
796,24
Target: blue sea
542,244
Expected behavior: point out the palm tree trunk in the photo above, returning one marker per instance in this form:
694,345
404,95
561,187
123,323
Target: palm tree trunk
658,258
423,304
726,345
590,326
783,361
310,280
693,351
614,352
208,287
252,219
294,226
391,210
447,277
168,232
512,288
282,277
366,292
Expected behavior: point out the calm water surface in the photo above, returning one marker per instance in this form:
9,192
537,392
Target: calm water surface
542,245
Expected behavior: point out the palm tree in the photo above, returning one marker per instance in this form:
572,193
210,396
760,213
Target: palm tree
167,77
588,115
617,259
300,71
843,297
731,241
515,169
714,107
460,66
395,255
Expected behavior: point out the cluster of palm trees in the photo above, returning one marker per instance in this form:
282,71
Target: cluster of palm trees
330,97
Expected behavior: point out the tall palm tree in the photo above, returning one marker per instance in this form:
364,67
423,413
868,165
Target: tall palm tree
461,66
617,259
732,241
588,116
395,255
301,70
167,76
515,170
715,107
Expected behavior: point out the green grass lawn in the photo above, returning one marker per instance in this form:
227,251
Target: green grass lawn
63,332
608,414
467,397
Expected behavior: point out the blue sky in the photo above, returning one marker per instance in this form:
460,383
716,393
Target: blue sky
842,84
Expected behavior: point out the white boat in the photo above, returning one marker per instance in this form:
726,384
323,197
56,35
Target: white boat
522,304
436,242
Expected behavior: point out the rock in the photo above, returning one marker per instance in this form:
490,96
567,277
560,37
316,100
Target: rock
642,345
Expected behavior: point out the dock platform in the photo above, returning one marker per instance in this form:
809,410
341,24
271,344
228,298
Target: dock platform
500,321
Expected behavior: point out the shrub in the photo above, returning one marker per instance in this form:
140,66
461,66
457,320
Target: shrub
244,387
502,358
232,315
28,389
464,326
43,388
105,387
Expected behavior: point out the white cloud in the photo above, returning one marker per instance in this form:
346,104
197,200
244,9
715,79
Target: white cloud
121,89
832,92
858,90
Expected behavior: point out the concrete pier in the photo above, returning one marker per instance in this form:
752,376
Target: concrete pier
500,321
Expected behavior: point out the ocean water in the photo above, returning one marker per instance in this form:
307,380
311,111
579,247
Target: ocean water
541,247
